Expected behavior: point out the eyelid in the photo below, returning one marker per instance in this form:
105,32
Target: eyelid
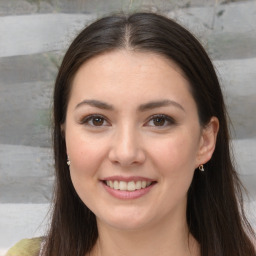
85,120
167,118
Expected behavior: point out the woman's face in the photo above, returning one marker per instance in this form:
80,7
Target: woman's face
133,138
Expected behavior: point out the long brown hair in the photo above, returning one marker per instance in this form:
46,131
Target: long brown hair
215,213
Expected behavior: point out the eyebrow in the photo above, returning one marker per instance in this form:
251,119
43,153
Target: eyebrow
96,103
141,108
158,104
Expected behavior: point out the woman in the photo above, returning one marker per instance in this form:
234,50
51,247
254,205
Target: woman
141,147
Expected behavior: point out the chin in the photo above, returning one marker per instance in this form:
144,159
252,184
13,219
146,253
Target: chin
126,221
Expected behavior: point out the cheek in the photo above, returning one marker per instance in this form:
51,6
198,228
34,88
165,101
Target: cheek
86,160
175,160
181,168
179,151
84,152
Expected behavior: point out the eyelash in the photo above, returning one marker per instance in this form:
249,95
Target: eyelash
92,118
167,120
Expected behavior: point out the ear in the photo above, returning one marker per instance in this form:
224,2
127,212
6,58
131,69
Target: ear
207,141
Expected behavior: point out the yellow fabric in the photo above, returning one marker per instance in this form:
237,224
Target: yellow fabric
26,247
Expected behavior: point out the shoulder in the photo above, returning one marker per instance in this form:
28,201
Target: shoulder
26,247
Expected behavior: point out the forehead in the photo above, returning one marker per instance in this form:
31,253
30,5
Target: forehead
129,74
139,62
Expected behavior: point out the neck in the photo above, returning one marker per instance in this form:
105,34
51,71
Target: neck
168,239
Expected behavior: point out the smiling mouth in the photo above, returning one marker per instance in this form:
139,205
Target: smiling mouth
128,186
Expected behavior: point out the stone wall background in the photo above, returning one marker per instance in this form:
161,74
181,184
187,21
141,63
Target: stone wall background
33,37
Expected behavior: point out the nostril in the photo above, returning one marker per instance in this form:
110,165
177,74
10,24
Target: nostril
127,157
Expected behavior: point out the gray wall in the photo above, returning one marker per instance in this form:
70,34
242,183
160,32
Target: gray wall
33,38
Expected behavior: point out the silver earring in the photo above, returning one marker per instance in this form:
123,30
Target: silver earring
201,167
68,162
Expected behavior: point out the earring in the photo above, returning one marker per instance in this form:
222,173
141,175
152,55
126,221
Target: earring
201,167
68,161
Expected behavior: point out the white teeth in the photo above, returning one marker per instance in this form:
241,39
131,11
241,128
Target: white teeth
116,184
123,185
138,185
129,186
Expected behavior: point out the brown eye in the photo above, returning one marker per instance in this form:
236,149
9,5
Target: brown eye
159,121
95,121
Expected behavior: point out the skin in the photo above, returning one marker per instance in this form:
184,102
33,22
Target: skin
128,140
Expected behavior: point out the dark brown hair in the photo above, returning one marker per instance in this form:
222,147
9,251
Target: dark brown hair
215,213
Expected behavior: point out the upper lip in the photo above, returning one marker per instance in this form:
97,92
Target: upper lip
127,179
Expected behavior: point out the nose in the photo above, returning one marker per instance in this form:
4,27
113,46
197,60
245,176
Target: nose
126,148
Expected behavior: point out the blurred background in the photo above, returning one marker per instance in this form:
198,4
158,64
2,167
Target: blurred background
34,35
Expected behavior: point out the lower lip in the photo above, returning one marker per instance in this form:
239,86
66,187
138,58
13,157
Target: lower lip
124,194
